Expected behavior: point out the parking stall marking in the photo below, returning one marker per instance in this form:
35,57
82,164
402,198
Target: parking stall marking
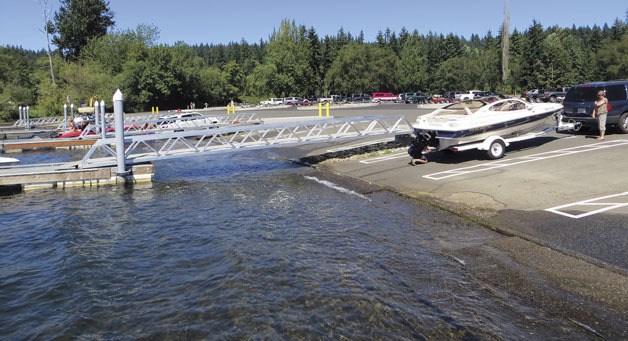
620,200
524,159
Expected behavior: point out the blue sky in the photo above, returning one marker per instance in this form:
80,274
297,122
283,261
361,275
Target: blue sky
198,21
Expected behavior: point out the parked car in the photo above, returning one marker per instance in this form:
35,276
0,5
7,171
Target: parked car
292,100
362,98
452,95
531,95
416,97
383,97
440,99
492,97
579,102
272,101
471,94
552,95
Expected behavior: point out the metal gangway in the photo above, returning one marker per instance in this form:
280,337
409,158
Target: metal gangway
136,126
40,121
153,147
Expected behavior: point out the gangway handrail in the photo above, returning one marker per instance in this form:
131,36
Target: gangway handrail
172,124
152,147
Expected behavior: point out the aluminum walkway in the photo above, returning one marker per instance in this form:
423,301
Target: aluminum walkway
146,148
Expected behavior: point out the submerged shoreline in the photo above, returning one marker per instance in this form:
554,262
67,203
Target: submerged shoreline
586,293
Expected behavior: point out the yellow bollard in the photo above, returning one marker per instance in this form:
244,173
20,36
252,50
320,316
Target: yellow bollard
152,110
320,109
327,109
157,110
228,109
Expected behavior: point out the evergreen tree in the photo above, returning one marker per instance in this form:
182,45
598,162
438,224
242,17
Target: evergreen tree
413,64
79,21
532,66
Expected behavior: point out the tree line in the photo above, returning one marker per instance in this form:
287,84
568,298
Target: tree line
294,61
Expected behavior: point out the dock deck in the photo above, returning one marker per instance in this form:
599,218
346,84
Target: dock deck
64,175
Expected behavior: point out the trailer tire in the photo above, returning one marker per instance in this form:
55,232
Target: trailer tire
622,124
496,150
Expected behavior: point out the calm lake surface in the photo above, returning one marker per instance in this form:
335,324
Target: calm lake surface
243,246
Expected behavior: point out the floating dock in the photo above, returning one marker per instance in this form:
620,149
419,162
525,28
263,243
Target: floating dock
64,175
18,146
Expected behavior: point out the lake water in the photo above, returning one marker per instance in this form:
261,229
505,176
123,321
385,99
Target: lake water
243,246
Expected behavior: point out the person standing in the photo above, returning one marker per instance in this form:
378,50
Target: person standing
600,110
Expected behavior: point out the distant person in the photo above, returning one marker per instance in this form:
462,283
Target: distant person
600,110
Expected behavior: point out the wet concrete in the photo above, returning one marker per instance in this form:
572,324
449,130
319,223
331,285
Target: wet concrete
576,268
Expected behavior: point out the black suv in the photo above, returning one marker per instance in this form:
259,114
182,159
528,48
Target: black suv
578,103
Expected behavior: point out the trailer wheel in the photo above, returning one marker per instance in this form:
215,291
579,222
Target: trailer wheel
622,125
496,150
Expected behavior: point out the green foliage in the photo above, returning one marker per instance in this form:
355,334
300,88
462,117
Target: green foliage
79,21
613,59
16,84
413,74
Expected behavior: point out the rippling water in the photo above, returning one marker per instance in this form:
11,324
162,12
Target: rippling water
241,247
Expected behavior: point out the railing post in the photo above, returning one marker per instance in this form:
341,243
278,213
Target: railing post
96,115
118,111
28,117
20,121
65,116
103,119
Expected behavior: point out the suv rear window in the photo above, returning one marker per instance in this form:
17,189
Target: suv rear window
616,92
581,94
589,93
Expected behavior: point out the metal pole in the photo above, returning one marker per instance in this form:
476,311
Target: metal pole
65,117
96,116
20,122
28,117
118,111
103,119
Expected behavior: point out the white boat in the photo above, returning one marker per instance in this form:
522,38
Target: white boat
462,125
8,160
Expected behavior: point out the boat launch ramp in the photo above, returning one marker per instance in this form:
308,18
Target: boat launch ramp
105,164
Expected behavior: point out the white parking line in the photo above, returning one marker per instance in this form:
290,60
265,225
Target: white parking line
524,159
582,206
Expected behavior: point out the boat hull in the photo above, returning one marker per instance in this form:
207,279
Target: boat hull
453,126
506,129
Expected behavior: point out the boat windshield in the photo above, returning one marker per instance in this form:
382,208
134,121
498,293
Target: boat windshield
472,104
507,105
462,108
